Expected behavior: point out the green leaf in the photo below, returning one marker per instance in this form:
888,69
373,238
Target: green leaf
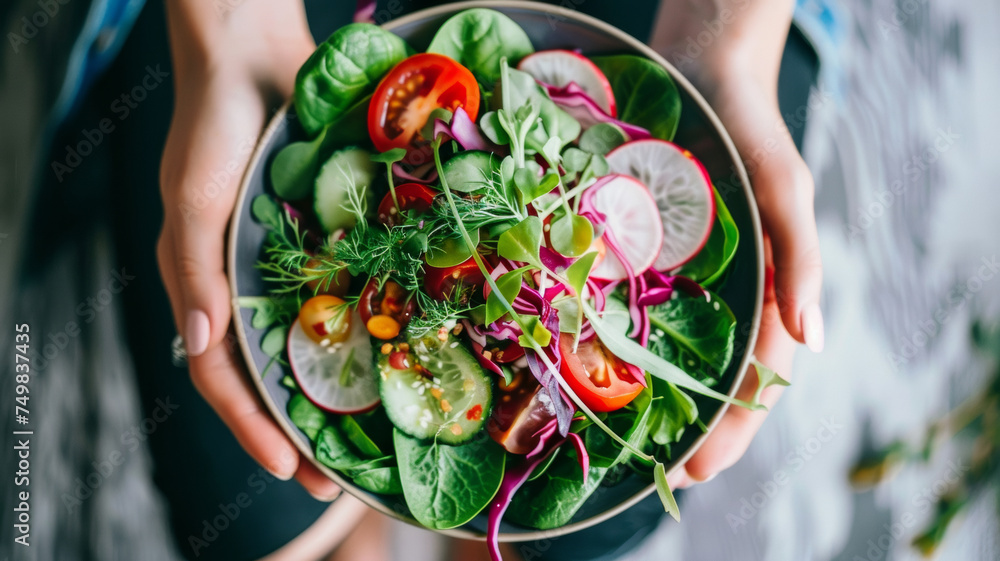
705,327
765,379
551,500
382,480
663,490
710,264
294,168
635,354
531,186
356,435
333,450
451,251
671,412
538,331
645,94
575,160
270,309
579,271
446,486
522,241
571,235
273,343
267,211
510,286
521,90
306,416
471,171
602,138
389,157
436,113
490,123
342,70
478,39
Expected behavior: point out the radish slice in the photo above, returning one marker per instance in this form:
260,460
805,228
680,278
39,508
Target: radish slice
682,190
560,68
632,219
338,378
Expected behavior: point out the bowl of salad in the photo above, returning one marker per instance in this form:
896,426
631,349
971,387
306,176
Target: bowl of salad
496,269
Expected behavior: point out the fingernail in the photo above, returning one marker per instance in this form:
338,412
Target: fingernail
710,477
326,497
812,327
196,332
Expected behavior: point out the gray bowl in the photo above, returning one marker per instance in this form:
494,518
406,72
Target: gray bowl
700,132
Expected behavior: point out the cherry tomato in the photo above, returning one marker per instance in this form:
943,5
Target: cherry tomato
410,196
337,286
409,93
442,282
391,300
519,411
325,318
603,381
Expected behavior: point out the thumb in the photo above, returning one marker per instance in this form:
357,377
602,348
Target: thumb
203,286
783,187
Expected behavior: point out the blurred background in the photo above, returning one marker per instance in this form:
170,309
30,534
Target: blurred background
859,461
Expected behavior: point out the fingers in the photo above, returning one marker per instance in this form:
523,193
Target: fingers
731,437
219,377
783,187
319,486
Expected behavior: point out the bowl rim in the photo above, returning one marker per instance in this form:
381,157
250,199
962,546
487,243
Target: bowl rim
738,167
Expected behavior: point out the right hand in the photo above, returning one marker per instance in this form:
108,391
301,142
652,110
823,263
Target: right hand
223,91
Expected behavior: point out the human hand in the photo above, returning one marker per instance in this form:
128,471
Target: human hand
227,73
738,73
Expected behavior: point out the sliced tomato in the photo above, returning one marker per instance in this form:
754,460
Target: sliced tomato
603,381
389,300
410,196
441,282
409,93
520,411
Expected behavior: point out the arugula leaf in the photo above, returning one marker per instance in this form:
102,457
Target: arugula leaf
634,353
446,486
704,327
522,241
342,70
712,261
645,94
663,490
766,378
306,416
479,39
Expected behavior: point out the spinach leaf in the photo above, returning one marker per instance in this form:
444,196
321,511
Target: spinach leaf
342,70
309,418
333,450
670,413
267,212
384,480
712,261
446,486
701,332
268,310
645,95
551,500
478,39
357,436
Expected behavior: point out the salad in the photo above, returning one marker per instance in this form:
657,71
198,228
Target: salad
490,272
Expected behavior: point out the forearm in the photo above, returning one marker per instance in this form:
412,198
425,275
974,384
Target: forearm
707,39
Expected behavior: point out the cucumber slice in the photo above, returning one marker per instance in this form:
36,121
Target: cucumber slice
443,394
347,173
471,171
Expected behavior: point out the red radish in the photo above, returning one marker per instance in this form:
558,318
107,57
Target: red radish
682,191
631,221
558,68
339,377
